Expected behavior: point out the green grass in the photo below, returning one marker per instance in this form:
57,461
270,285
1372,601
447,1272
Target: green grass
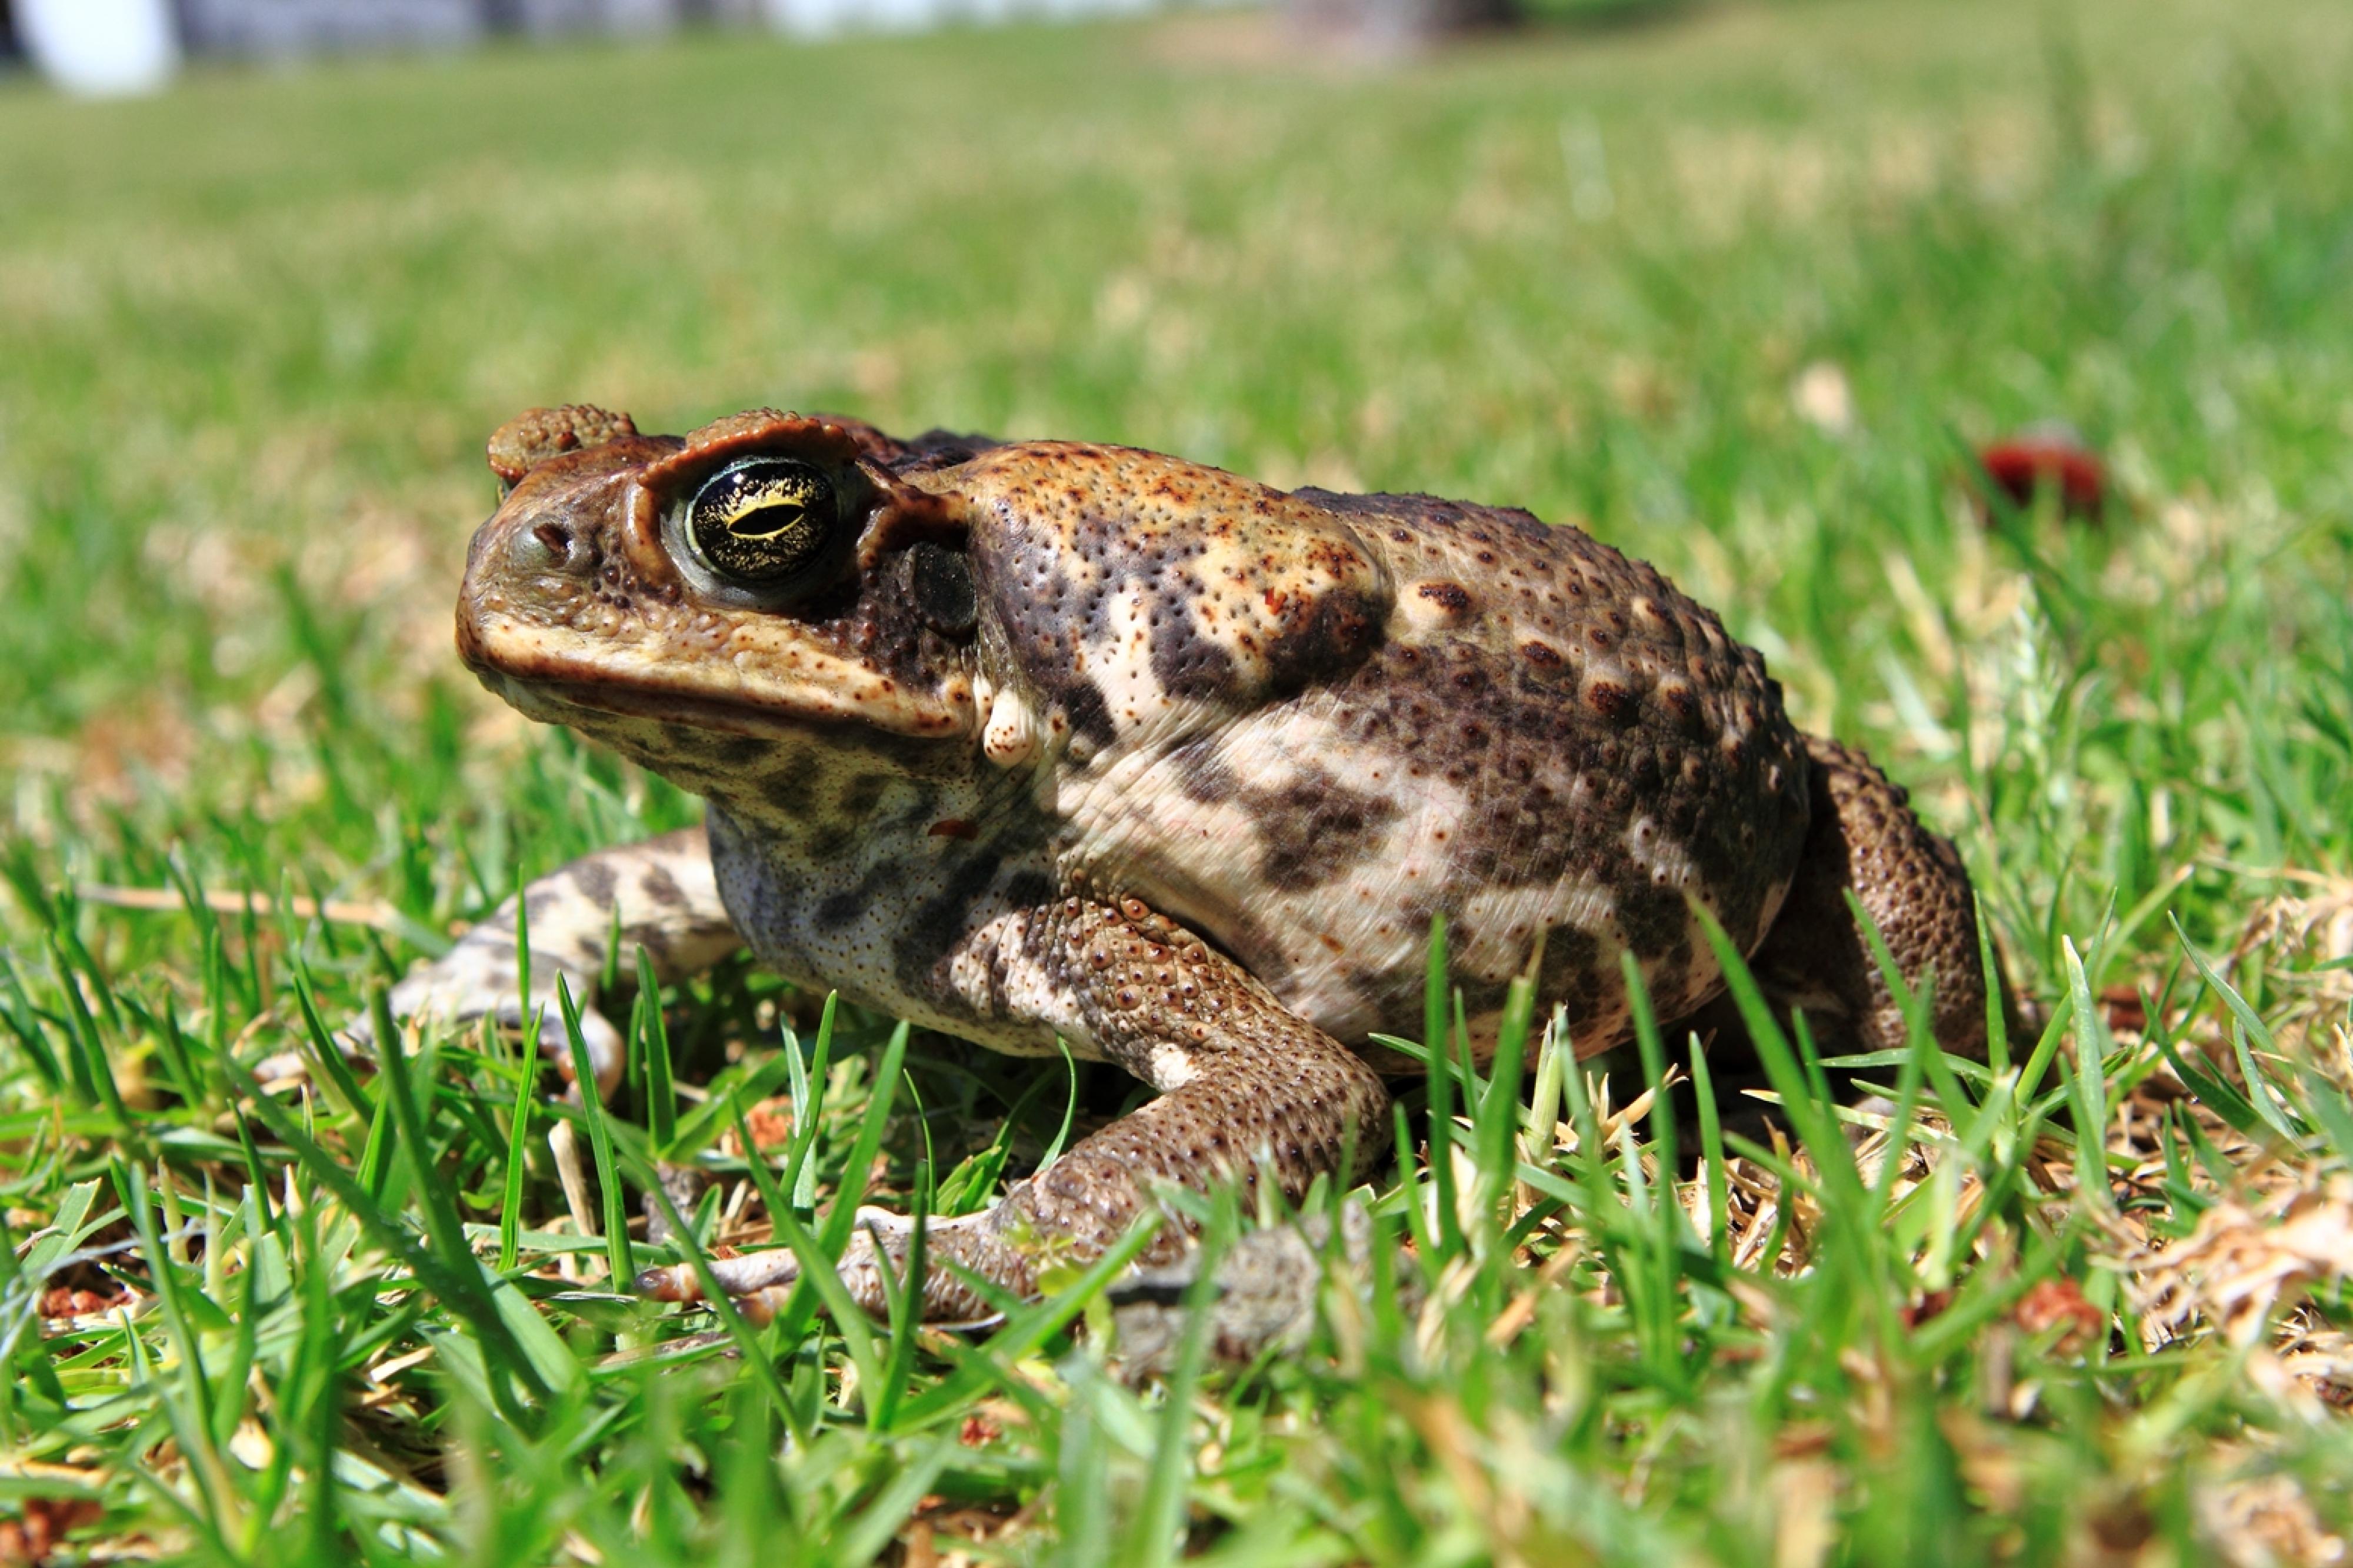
253,333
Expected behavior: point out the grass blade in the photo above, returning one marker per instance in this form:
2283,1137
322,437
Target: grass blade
518,1144
906,1308
618,1258
334,1073
662,1094
1435,1013
1711,1149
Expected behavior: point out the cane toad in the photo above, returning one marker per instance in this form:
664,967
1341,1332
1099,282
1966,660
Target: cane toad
1052,739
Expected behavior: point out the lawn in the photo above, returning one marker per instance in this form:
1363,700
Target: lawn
1738,289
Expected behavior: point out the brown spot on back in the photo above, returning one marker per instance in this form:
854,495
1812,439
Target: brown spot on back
1450,596
1614,702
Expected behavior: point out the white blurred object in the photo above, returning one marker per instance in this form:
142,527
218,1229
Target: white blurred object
825,18
101,48
1824,398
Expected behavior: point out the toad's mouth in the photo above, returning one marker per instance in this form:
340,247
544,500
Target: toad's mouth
580,704
545,673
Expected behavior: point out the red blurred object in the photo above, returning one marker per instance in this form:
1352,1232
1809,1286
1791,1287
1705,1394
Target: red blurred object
2022,464
2051,1302
42,1526
64,1302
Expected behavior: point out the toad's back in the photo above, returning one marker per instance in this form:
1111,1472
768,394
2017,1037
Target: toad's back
1306,723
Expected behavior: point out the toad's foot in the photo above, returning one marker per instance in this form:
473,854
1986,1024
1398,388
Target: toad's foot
1262,1293
660,893
986,1245
1249,1090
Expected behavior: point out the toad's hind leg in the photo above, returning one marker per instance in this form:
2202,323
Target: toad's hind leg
1864,837
1247,1087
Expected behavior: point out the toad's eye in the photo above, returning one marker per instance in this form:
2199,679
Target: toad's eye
763,519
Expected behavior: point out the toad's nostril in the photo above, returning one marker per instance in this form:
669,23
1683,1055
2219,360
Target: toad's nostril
556,538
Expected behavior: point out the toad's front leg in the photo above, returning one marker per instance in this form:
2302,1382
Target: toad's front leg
1247,1086
659,893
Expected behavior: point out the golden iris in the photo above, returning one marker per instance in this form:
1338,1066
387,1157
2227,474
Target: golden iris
763,519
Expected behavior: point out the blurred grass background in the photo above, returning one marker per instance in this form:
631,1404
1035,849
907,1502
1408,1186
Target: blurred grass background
253,332
1736,288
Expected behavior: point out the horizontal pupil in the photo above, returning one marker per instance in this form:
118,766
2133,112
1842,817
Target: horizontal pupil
786,517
